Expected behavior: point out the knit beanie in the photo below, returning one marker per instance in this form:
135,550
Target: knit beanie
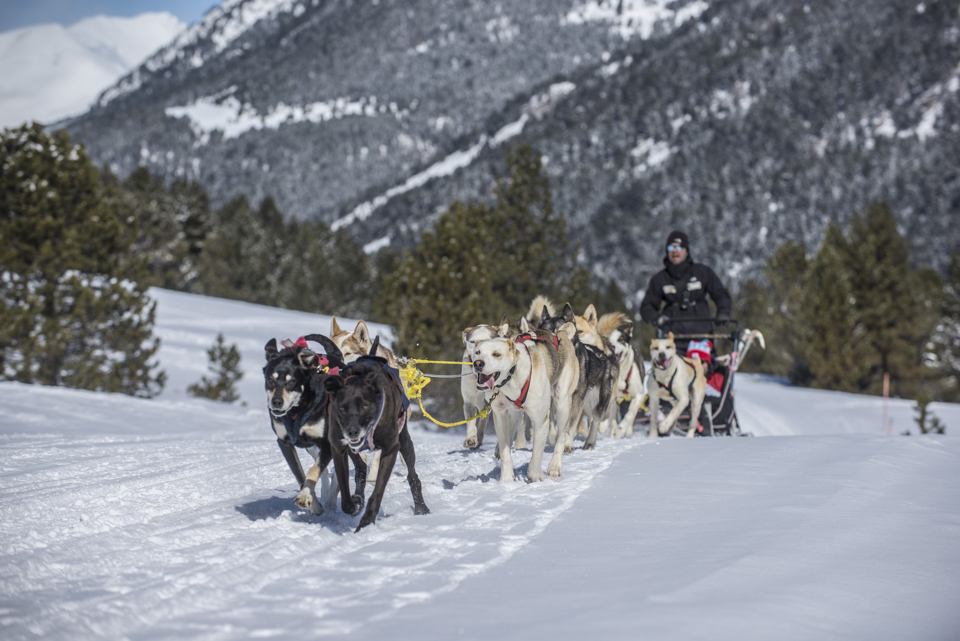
678,238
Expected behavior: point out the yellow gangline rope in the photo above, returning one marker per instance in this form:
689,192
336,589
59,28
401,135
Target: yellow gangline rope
415,380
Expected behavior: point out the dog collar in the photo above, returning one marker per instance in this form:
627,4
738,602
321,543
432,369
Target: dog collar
526,386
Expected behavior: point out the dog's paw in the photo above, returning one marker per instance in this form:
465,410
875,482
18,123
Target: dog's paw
534,476
421,509
364,522
471,443
691,432
555,471
349,506
568,449
316,508
359,501
304,499
588,446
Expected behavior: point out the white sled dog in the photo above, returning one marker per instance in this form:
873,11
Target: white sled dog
617,328
473,399
678,380
535,374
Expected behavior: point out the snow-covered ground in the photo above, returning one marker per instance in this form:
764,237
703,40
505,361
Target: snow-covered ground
173,518
51,72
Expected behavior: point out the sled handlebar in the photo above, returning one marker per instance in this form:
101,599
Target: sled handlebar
663,329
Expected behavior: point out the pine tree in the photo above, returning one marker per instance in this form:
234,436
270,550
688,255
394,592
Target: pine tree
172,226
444,285
72,303
831,336
946,341
530,239
224,365
925,419
773,308
257,257
892,302
482,261
237,256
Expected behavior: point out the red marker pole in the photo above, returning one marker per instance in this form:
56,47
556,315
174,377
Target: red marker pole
886,395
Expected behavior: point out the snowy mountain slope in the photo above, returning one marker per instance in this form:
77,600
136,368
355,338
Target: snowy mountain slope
173,518
746,123
52,72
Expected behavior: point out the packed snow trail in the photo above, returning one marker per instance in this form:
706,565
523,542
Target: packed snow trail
813,537
173,518
195,535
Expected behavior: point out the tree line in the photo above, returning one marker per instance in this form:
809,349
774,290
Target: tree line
857,308
81,247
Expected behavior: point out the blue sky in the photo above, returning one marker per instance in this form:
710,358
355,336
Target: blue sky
23,13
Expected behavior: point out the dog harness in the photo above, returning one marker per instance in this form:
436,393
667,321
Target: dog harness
323,365
669,385
627,379
523,339
293,423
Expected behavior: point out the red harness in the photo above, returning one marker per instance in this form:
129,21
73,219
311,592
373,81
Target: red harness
522,339
627,379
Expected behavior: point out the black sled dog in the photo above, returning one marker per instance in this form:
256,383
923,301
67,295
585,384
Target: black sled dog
368,412
298,406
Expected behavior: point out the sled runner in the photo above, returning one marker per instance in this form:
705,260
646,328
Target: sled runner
718,416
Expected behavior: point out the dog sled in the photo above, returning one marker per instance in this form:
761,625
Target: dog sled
718,415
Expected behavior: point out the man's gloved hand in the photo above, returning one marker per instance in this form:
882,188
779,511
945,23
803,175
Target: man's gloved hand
722,318
663,318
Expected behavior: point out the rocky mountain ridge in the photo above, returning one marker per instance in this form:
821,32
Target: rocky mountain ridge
744,122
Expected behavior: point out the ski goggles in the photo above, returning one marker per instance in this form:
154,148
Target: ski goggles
674,248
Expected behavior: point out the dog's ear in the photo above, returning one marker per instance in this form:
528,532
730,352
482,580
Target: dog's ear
504,329
362,334
334,355
567,313
463,334
524,325
670,336
333,384
334,328
271,348
375,346
627,333
308,359
544,316
590,315
568,330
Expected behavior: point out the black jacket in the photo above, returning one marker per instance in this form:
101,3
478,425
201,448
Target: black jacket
683,289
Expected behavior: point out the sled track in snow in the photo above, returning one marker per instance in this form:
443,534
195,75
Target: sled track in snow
171,530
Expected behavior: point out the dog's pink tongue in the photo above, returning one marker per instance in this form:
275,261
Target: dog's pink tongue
486,380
